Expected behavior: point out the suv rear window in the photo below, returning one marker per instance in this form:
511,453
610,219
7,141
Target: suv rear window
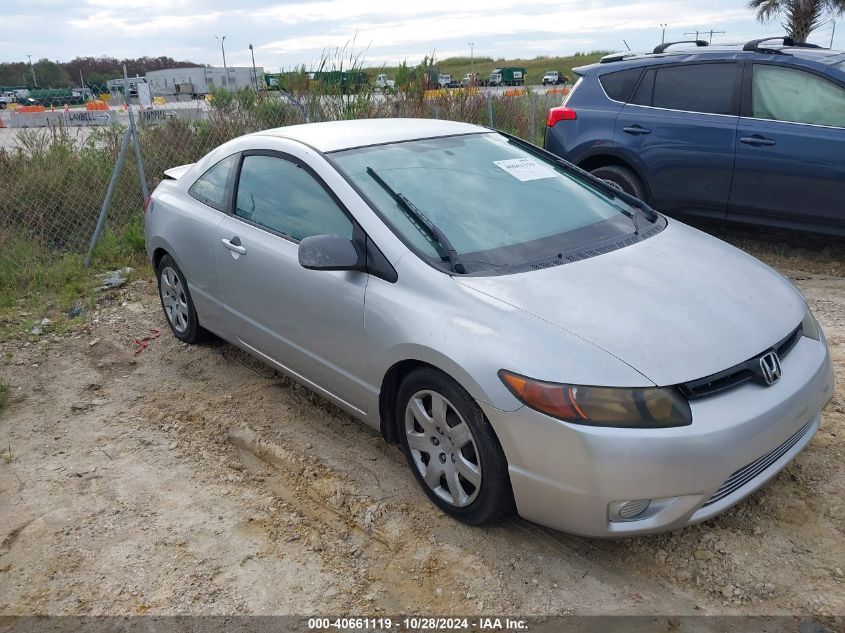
707,88
618,85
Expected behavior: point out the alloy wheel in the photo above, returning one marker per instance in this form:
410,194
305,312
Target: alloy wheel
174,300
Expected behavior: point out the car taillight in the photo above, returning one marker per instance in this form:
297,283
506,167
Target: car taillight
147,203
561,113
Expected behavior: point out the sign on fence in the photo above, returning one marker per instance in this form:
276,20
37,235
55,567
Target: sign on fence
160,115
73,118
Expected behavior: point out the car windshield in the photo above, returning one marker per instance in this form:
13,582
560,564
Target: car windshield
498,205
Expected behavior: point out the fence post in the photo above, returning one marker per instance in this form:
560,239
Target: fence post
532,103
135,138
489,109
109,194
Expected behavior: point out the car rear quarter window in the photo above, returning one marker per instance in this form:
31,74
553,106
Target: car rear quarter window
212,187
705,88
796,96
284,197
618,85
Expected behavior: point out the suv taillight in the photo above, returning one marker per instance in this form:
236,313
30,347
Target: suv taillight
147,203
561,113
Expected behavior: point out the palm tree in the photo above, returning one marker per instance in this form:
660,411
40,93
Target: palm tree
800,17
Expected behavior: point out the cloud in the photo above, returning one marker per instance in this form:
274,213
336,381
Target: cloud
287,33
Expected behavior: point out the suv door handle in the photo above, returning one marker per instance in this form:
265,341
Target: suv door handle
636,130
757,140
234,245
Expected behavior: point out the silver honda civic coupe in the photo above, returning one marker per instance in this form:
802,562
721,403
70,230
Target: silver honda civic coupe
535,340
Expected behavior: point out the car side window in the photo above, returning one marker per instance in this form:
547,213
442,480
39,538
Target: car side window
210,188
706,88
278,194
645,91
787,94
618,85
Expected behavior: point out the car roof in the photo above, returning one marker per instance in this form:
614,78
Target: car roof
332,136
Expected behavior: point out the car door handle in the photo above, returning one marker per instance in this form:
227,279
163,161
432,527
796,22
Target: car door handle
234,245
635,130
757,141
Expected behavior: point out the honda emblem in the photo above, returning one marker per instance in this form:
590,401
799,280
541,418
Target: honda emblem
770,367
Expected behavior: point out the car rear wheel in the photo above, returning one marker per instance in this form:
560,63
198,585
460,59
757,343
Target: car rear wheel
621,178
177,304
452,449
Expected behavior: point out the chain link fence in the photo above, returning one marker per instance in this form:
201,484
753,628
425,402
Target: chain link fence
56,165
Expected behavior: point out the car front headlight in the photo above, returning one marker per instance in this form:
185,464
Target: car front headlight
810,327
649,407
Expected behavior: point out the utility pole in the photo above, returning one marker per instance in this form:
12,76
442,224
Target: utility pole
254,72
32,70
696,34
832,32
472,66
223,49
663,36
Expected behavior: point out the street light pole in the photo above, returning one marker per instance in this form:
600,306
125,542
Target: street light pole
663,37
471,64
32,70
223,49
254,72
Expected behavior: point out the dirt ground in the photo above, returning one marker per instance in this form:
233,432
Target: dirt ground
195,480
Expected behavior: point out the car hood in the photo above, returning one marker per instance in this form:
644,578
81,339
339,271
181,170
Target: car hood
678,306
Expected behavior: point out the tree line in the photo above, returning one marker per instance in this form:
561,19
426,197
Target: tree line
91,70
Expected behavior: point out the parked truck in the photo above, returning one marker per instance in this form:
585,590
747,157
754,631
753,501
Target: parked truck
508,76
554,78
383,83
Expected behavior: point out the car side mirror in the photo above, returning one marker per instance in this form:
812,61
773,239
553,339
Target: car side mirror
329,252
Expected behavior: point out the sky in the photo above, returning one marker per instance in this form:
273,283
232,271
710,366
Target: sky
289,33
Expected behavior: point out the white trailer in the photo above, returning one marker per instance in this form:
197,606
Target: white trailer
198,81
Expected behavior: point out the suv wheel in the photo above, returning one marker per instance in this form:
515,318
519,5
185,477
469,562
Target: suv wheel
622,178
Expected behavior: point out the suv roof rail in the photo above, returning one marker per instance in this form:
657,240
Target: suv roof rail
662,47
788,42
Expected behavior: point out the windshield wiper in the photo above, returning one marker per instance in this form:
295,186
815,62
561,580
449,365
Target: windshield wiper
421,222
611,191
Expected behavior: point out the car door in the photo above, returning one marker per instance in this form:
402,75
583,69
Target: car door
191,226
790,163
309,323
680,127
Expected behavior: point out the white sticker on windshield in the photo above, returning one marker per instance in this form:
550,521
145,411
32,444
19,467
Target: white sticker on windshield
525,169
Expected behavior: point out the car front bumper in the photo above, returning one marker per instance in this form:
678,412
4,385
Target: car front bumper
566,476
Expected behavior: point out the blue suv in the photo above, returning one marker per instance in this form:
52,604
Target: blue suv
752,133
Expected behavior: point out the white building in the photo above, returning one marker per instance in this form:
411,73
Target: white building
200,80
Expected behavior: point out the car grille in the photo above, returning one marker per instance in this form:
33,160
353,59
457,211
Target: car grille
749,472
738,374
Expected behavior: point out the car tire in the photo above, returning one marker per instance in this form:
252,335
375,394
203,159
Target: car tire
621,178
2,105
452,449
177,304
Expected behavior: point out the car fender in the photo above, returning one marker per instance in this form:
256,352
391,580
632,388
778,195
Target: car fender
475,335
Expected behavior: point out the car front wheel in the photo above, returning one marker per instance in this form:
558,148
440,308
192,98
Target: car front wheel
452,449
